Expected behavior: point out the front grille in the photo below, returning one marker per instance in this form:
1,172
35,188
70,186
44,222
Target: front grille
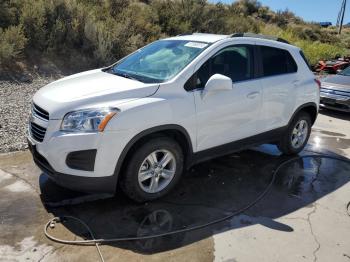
37,132
329,91
39,112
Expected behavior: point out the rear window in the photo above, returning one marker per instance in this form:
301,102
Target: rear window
277,61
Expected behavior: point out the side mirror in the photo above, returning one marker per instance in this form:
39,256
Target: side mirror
217,83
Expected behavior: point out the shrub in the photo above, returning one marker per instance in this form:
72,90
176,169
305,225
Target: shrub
8,13
33,20
12,42
265,14
316,51
102,36
247,7
115,7
101,31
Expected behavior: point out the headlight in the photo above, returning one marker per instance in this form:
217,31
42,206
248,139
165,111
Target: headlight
88,120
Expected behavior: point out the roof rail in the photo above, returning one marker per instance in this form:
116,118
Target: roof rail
188,33
268,37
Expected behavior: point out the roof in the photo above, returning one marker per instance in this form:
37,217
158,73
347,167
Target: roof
200,37
211,38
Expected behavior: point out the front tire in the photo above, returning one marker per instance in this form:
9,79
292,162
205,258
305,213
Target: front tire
298,132
153,170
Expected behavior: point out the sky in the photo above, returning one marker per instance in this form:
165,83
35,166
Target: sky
309,10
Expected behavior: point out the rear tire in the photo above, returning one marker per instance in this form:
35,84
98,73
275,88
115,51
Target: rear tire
153,170
298,132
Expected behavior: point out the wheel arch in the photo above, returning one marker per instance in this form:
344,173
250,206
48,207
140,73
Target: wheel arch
310,108
177,132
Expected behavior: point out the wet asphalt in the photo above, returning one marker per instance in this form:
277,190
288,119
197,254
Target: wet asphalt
207,192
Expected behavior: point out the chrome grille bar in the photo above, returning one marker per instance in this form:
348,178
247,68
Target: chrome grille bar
39,112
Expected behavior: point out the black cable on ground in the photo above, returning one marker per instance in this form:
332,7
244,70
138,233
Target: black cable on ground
96,242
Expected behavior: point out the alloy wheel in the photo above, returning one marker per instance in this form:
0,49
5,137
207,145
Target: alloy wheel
156,171
299,133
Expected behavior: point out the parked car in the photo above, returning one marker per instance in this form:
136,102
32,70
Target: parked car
169,105
332,66
335,91
325,24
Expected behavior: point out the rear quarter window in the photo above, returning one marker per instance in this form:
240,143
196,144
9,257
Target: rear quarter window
276,61
305,59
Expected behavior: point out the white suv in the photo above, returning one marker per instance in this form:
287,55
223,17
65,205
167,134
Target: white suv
169,105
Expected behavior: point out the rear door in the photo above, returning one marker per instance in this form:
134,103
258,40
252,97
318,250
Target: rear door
279,81
227,115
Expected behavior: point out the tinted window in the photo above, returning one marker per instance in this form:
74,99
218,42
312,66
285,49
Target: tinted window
277,61
235,62
345,72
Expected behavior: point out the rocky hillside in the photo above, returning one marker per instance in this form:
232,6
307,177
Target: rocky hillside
67,36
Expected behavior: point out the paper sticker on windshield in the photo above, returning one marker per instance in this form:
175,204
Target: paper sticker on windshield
196,45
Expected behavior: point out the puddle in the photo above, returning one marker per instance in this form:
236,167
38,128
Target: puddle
337,144
208,192
328,133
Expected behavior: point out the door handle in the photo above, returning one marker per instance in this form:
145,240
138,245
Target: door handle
253,95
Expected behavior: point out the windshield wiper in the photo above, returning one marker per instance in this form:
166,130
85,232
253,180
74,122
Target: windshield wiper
125,75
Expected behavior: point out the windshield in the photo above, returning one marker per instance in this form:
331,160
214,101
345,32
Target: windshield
158,61
345,72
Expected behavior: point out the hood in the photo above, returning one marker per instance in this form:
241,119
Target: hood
89,89
337,82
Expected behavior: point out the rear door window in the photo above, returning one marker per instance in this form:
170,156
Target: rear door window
277,61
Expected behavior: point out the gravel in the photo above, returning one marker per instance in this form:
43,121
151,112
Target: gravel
15,101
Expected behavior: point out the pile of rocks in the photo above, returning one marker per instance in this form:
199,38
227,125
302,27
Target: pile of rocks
15,99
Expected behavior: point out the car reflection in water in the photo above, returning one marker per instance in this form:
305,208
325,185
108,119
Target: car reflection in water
207,192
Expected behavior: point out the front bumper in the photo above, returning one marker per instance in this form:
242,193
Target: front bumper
56,147
335,102
77,183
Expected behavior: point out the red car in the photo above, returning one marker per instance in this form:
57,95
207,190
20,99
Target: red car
332,66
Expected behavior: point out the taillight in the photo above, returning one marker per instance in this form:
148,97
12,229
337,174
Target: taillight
318,82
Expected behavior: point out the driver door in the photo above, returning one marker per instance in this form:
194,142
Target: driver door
225,116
